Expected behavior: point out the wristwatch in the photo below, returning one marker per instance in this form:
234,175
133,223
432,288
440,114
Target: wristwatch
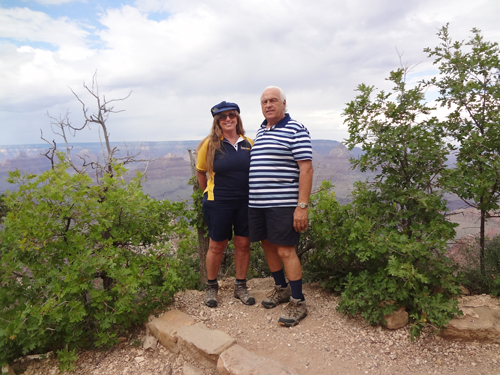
302,205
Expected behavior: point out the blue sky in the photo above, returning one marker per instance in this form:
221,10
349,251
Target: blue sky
179,58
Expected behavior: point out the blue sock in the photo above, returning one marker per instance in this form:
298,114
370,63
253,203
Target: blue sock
297,289
279,278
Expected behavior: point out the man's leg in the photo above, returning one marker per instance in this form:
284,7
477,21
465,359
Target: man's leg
297,308
241,256
291,261
281,292
272,257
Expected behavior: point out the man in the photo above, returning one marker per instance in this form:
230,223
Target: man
280,184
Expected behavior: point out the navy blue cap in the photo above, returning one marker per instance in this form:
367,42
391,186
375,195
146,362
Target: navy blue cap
224,106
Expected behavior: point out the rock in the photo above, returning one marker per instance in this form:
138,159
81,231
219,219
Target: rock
484,328
189,369
6,369
203,344
165,328
238,361
150,342
468,312
464,291
139,359
478,301
167,370
398,319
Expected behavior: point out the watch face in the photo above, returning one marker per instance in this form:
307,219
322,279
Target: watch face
302,205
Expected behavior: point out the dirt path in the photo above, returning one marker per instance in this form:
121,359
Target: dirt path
324,343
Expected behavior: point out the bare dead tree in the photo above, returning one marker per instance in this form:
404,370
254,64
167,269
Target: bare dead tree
62,127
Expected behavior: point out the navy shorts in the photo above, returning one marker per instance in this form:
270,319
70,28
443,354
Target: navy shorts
224,216
274,224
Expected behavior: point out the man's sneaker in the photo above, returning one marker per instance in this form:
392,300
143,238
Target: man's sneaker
211,294
241,292
294,312
276,296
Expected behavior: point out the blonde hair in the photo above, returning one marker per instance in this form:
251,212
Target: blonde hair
215,140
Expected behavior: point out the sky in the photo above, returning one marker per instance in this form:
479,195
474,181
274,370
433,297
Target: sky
178,58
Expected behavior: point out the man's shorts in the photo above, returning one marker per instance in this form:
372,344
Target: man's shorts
222,216
274,224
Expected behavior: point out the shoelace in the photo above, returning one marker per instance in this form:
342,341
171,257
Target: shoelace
272,293
241,287
212,290
291,308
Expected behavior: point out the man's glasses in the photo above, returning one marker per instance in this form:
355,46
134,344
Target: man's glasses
223,116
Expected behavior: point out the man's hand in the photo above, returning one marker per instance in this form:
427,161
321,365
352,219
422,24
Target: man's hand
300,219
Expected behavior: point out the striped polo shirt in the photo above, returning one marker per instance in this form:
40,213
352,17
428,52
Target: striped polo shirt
274,171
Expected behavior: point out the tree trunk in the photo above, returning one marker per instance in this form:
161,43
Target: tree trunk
481,241
203,239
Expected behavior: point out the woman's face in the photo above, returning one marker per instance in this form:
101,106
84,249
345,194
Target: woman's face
228,121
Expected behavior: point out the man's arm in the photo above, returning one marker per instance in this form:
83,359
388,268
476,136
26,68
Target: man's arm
305,186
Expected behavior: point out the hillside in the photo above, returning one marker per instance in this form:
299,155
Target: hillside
168,174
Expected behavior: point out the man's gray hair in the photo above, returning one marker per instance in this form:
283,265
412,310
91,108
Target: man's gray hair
282,95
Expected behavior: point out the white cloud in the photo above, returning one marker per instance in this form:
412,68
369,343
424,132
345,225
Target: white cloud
57,2
182,57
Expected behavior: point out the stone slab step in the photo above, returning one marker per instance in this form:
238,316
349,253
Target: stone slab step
238,361
202,344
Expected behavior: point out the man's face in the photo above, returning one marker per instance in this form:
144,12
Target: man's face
273,108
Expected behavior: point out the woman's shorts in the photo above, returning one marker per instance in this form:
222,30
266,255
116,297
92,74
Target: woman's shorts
224,216
274,224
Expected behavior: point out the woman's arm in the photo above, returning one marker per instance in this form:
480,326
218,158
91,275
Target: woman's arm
202,180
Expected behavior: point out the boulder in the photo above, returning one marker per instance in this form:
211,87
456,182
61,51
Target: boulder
477,323
398,319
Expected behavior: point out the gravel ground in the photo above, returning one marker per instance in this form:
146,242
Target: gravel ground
325,342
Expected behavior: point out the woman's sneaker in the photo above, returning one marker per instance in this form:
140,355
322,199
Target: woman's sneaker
276,296
211,291
241,292
294,312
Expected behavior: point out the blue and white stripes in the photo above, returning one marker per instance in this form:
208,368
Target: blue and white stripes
274,172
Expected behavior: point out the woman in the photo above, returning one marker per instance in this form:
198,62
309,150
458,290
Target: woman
222,169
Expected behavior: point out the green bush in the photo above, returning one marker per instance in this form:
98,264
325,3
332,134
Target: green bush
386,248
321,244
470,266
82,262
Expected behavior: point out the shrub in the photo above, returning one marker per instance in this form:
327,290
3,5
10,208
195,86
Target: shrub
470,266
83,262
386,248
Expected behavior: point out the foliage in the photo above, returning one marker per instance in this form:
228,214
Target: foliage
67,359
469,87
394,232
82,262
3,207
321,245
473,279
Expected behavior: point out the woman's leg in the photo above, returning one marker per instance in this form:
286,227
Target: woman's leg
214,258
